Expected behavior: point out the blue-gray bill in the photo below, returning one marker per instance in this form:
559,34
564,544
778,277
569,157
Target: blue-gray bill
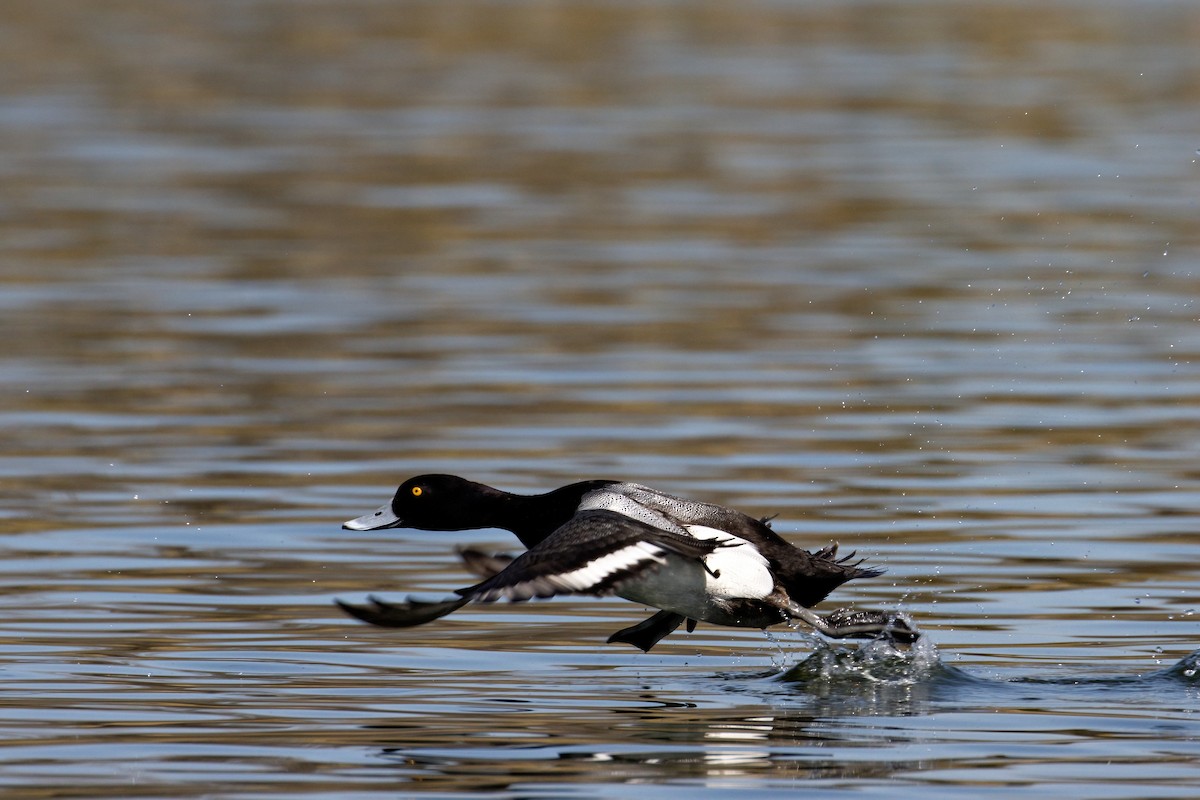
376,520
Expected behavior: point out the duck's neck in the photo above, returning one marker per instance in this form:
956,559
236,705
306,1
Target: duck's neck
534,517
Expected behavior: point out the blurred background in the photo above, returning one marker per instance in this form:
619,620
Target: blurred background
244,240
920,277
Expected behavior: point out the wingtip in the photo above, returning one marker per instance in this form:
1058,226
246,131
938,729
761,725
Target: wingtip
405,614
359,612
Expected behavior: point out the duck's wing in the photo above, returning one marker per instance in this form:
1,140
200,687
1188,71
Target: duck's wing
404,614
635,502
409,613
670,512
592,553
484,565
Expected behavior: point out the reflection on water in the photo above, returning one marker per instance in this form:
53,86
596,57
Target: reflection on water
919,278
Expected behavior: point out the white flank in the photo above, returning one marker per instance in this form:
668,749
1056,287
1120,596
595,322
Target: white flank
741,570
595,571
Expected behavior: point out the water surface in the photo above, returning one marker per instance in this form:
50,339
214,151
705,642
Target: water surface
920,278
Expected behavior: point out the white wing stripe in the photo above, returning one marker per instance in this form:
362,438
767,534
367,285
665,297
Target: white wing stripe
584,578
595,571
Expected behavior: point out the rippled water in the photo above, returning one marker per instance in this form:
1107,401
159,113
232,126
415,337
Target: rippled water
920,278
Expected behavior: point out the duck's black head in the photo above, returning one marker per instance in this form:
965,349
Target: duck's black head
435,503
451,503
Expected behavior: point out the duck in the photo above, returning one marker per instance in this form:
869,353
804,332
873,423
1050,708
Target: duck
692,560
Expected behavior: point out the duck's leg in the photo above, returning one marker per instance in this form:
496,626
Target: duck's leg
650,632
845,623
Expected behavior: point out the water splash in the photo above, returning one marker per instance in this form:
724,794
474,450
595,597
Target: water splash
878,661
783,657
1187,668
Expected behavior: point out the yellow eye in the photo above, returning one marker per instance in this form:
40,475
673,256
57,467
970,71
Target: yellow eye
417,491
